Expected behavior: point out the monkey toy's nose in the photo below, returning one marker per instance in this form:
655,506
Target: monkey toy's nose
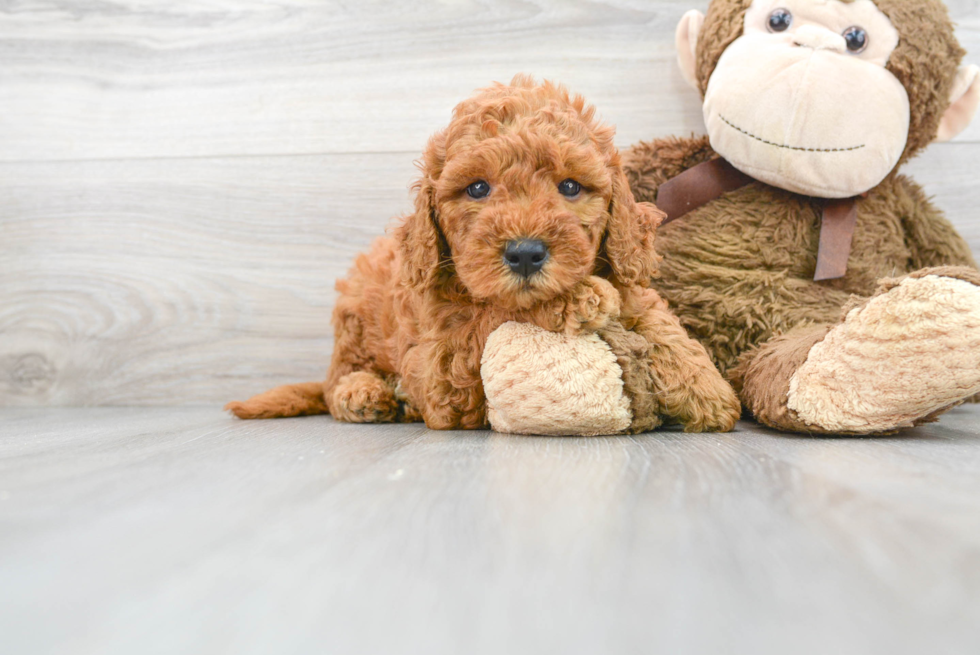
819,38
525,256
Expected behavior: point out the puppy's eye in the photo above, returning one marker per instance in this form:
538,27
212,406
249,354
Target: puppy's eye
569,188
857,39
479,189
780,20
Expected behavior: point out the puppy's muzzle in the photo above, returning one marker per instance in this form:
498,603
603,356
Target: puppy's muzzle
526,257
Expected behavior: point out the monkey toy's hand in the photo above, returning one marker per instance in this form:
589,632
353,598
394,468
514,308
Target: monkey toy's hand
538,381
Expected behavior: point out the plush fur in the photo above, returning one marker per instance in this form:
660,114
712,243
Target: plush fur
915,346
739,271
547,383
414,315
925,61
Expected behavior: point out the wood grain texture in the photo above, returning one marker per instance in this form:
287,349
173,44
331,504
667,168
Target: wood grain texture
165,282
180,281
127,79
182,182
950,175
166,78
183,531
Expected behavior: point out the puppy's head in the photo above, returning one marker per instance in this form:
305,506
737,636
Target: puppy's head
522,197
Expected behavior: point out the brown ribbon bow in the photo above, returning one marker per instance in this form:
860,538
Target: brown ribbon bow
705,182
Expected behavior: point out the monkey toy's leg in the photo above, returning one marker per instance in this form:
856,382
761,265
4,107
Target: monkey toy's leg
609,382
898,359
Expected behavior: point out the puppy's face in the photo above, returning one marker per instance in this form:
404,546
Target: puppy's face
522,194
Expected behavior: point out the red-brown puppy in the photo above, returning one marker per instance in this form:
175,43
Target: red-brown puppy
523,213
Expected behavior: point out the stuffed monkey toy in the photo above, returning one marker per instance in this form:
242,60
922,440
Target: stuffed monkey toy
822,282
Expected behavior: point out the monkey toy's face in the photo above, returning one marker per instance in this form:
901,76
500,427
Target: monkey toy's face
801,94
802,100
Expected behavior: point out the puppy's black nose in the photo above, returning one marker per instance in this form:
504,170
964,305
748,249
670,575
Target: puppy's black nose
526,256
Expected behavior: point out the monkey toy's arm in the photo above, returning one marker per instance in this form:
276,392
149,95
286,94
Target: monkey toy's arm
930,237
649,164
441,373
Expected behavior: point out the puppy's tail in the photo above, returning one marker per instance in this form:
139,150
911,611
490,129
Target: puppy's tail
290,400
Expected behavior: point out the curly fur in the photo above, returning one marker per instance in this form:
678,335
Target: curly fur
415,312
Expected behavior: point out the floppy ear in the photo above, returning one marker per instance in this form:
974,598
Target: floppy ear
630,234
422,246
420,241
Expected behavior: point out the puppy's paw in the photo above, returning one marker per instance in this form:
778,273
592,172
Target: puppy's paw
363,397
593,304
712,407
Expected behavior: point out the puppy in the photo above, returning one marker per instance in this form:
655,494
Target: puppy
522,213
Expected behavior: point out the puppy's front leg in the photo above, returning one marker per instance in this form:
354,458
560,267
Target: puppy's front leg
588,307
687,386
442,377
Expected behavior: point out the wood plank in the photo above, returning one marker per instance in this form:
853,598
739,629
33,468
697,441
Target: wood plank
181,530
180,78
205,280
163,282
948,172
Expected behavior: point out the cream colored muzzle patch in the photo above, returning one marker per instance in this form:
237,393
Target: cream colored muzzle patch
899,358
540,382
797,110
817,123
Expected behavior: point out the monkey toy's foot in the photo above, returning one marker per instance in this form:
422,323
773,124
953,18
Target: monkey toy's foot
897,360
547,383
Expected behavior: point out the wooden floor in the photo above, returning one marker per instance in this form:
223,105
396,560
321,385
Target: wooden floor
180,184
184,531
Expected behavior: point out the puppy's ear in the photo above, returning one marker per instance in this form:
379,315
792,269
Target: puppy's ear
420,241
630,234
422,244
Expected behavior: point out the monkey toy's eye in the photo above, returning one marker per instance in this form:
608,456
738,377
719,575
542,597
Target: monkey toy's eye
569,188
857,39
780,20
479,189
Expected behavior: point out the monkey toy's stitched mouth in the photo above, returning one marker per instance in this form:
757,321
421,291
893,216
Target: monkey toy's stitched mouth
787,147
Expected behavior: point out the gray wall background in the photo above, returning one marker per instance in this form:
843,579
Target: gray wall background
181,181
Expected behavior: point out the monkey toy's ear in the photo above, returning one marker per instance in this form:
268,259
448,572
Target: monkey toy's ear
965,100
687,45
